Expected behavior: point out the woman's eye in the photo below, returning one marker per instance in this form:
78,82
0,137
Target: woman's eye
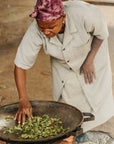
50,29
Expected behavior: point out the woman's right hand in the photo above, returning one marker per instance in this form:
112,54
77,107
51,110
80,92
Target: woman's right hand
24,110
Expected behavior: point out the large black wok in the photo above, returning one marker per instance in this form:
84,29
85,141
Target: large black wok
70,116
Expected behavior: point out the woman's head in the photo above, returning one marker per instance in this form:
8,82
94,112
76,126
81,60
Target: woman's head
50,29
49,15
48,10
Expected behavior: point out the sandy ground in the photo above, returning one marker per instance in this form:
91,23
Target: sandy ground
39,77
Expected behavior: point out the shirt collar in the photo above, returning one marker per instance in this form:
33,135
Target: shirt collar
70,28
70,23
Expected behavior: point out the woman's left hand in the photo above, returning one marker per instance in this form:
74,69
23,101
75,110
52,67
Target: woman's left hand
89,72
87,67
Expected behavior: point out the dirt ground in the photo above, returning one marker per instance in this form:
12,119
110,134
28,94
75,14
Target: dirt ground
39,77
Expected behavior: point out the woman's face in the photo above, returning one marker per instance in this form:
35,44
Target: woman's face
50,29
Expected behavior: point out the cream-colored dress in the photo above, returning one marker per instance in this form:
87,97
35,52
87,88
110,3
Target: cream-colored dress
73,94
83,21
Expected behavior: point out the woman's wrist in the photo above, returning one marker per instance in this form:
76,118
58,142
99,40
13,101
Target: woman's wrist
90,58
94,48
24,98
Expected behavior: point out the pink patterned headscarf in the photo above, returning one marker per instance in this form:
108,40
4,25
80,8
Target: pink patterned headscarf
48,10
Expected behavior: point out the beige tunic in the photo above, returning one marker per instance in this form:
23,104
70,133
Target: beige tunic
83,21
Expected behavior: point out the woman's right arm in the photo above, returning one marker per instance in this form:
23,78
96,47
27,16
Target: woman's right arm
24,106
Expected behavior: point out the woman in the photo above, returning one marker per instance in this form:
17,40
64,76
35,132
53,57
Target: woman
75,36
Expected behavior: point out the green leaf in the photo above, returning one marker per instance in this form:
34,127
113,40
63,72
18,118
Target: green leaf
2,86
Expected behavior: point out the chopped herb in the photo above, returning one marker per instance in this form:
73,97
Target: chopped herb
9,117
39,127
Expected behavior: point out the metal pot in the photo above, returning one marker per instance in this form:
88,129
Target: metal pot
70,116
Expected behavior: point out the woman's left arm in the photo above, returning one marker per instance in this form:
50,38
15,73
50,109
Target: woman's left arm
87,67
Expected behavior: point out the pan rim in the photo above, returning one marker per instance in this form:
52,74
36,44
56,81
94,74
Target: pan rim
66,134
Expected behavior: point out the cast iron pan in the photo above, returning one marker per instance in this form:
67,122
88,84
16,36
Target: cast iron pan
70,116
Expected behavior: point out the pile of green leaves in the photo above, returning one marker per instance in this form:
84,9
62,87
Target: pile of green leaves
9,117
39,127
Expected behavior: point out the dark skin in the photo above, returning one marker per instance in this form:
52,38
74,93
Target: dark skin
25,106
50,29
88,67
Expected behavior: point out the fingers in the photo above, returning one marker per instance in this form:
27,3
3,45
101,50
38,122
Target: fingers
81,71
22,115
28,115
31,113
19,118
89,72
23,118
28,112
15,117
94,75
88,77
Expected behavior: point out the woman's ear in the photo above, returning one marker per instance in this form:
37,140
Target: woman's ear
64,17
